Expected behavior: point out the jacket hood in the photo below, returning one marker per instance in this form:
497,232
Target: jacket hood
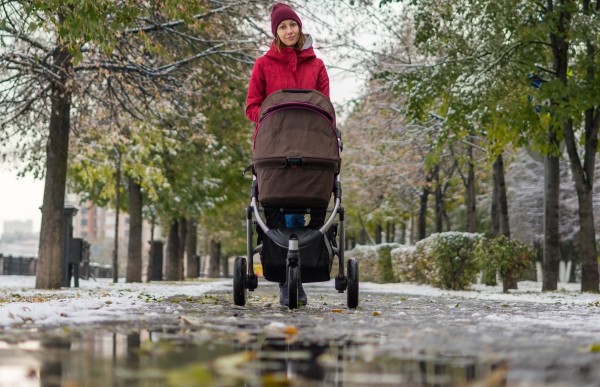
291,56
308,43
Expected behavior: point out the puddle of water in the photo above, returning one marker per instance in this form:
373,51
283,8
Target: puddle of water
204,358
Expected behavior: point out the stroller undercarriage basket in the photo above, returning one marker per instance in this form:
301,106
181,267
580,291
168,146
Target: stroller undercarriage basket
317,256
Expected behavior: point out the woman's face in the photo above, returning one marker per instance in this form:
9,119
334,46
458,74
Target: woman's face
288,32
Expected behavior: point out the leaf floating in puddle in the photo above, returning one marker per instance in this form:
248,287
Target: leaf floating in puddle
231,365
275,380
376,313
594,348
194,375
185,320
274,328
290,330
497,378
243,337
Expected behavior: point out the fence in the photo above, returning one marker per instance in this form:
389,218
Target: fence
10,265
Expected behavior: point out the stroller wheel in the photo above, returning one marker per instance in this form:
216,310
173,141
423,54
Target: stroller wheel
292,281
240,273
352,283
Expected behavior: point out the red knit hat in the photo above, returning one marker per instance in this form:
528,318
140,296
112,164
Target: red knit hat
281,12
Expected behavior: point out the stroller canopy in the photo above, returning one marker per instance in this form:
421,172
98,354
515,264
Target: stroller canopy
296,149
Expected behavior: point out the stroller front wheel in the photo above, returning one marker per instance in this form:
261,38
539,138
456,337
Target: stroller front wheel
240,273
352,283
292,282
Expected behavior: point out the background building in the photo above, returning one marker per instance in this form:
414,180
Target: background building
19,239
97,226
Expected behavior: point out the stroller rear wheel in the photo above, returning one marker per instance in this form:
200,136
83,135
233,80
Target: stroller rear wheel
352,283
292,281
240,273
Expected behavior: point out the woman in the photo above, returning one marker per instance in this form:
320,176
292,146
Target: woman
290,63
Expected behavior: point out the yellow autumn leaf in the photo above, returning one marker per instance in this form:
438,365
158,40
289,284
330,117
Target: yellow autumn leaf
595,347
290,330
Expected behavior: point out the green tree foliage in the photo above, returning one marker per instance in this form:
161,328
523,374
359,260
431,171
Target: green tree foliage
486,59
509,257
62,59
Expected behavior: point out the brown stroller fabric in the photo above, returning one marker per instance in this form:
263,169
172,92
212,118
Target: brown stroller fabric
296,150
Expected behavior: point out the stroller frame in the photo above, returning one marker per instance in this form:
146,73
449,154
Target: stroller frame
293,240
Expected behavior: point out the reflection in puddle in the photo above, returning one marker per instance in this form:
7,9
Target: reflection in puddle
201,358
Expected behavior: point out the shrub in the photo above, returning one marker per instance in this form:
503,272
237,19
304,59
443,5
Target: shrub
508,257
404,263
452,255
374,262
415,264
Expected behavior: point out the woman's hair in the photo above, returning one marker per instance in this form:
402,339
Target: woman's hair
298,46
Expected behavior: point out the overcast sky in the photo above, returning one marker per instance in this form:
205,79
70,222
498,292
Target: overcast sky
20,198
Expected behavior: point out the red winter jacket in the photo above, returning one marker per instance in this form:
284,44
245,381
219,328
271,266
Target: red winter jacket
285,69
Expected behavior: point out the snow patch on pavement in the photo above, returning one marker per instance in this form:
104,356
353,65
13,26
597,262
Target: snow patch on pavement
94,301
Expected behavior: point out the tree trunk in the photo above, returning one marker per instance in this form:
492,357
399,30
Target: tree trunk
471,199
439,209
57,151
115,262
215,259
403,233
182,238
378,232
172,267
390,231
560,58
224,264
134,249
191,246
363,236
422,217
551,234
499,212
494,211
150,265
438,195
584,184
508,283
583,175
504,225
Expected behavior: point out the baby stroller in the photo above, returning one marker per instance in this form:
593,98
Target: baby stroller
296,165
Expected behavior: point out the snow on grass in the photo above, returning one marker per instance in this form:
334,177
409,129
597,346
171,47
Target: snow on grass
93,301
528,291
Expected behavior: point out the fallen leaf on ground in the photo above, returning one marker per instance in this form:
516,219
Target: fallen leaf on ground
290,330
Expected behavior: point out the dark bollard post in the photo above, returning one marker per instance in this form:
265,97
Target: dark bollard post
69,212
197,258
225,265
156,250
85,260
75,257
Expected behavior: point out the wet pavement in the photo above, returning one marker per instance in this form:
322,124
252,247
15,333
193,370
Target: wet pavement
391,340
